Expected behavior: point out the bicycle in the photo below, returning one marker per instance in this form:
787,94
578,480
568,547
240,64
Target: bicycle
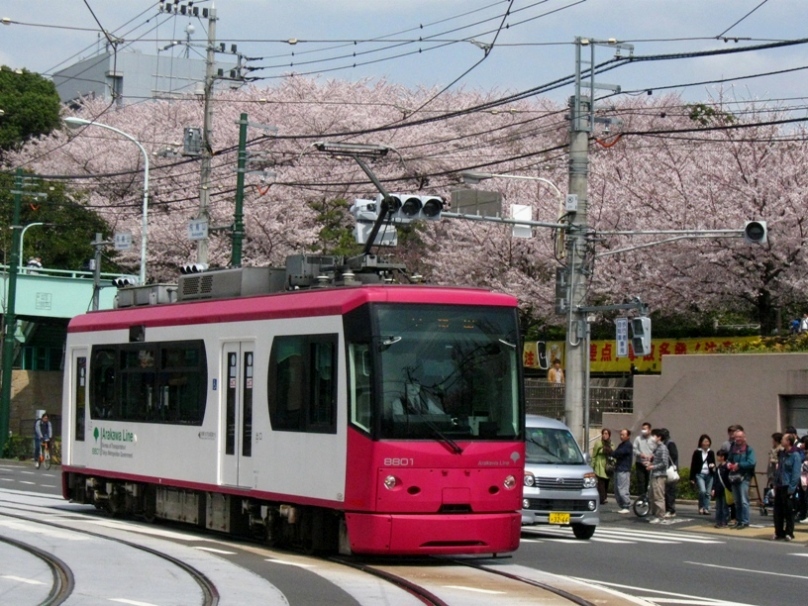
45,455
642,506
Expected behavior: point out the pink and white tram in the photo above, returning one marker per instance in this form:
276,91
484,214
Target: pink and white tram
369,419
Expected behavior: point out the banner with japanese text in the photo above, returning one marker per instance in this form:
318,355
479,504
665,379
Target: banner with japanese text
603,358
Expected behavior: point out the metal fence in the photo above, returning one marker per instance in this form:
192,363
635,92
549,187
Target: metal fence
547,399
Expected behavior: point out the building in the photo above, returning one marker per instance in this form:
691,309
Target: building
130,77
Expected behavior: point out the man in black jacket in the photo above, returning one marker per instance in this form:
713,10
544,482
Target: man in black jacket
670,487
623,455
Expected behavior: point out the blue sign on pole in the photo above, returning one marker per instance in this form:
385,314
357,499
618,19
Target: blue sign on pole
621,335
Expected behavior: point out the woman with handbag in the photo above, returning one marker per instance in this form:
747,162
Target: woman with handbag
603,467
702,465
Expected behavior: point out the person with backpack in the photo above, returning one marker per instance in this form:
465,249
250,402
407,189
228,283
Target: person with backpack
43,432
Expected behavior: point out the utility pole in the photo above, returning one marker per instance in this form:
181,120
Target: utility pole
207,147
577,271
10,318
576,249
238,214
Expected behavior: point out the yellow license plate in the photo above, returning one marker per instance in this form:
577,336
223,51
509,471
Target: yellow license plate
559,518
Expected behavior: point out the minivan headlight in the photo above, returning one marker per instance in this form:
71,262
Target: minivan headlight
529,479
590,480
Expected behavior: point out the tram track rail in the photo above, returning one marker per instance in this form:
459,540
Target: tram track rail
63,581
574,599
421,593
210,594
431,599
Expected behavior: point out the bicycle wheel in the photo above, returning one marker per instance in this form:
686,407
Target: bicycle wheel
642,507
47,461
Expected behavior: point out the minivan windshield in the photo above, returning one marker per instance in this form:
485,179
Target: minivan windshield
551,445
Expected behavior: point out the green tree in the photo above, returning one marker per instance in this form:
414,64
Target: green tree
64,241
30,107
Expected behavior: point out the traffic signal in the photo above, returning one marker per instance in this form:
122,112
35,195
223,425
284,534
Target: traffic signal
404,208
193,268
755,232
641,335
124,282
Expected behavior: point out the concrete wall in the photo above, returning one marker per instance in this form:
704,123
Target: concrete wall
31,391
704,394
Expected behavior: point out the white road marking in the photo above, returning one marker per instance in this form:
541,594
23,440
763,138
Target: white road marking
288,563
213,550
734,569
22,580
474,589
668,596
131,602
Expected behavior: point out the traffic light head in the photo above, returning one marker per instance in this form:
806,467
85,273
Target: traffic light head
123,282
641,335
404,208
755,232
193,268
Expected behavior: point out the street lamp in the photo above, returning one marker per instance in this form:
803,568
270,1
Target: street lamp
22,238
144,228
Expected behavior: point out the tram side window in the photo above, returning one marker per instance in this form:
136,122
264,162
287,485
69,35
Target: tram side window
149,382
302,383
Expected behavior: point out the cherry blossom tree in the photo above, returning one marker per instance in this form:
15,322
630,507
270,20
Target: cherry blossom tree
678,166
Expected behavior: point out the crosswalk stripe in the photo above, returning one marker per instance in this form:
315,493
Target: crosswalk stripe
608,535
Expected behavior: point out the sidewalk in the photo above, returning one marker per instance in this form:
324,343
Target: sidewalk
688,518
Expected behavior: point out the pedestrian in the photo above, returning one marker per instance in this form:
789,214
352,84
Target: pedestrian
721,491
702,465
728,447
623,456
741,464
670,487
802,489
601,453
804,323
658,468
785,488
555,375
644,445
774,454
43,432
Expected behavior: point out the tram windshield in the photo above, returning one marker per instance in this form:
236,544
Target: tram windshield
437,372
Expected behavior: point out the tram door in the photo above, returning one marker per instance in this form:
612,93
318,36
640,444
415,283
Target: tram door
74,430
236,414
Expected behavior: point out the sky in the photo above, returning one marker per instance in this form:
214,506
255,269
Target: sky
439,43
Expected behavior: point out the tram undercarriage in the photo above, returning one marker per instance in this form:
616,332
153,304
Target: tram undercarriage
311,529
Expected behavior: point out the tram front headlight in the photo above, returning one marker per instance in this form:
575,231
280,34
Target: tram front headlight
390,482
509,483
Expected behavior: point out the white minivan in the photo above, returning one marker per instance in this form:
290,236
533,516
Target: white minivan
560,487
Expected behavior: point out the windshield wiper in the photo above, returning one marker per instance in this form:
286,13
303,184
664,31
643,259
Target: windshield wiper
453,446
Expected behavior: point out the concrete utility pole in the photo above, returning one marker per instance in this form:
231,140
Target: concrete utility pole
582,120
207,147
576,249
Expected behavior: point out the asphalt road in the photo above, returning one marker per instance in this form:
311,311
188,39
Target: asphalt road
686,562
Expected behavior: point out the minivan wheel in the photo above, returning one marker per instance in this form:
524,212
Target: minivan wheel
583,532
